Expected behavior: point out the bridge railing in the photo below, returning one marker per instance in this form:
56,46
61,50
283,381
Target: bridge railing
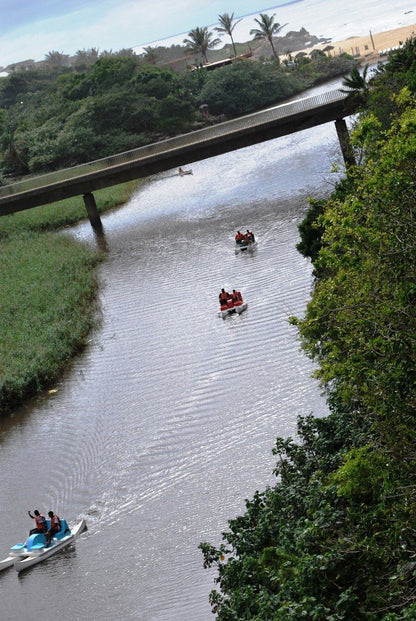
165,146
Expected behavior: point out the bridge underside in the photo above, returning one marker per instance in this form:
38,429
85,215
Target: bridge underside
200,145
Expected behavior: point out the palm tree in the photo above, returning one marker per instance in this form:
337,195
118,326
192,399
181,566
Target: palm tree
125,52
267,30
200,41
86,58
357,86
150,55
56,60
227,25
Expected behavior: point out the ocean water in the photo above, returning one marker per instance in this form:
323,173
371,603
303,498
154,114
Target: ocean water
330,19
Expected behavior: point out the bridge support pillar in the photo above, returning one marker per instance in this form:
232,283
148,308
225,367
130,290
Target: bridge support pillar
344,141
92,211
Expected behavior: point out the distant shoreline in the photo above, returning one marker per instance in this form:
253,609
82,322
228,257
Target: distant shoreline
370,47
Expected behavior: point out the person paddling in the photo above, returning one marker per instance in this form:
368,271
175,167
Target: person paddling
224,296
40,522
249,237
239,237
55,527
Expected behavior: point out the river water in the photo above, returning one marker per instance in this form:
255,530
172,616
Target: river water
163,427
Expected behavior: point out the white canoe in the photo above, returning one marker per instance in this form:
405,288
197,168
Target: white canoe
185,172
39,552
18,551
233,310
9,560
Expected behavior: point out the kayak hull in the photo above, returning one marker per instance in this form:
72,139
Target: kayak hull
17,552
239,248
233,310
8,562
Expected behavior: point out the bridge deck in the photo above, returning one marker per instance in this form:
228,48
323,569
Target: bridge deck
178,151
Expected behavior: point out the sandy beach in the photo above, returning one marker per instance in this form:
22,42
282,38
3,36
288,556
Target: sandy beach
370,47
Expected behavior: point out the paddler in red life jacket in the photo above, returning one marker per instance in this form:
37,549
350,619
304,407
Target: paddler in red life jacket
249,236
237,297
223,296
55,527
40,522
239,237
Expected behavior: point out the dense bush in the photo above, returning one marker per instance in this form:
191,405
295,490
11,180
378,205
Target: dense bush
119,104
244,87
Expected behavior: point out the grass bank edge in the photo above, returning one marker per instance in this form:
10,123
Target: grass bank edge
48,301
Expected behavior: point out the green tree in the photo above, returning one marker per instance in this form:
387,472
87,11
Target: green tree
112,71
200,40
227,25
12,146
267,29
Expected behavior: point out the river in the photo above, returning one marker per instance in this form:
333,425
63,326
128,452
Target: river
163,427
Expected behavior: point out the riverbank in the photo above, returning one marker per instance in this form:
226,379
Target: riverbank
48,289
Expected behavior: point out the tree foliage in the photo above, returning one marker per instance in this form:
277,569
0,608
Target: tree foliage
115,105
242,88
60,116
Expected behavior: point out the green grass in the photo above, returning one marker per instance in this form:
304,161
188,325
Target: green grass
64,213
48,293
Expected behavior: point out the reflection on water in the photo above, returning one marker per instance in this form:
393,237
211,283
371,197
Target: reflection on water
166,423
99,234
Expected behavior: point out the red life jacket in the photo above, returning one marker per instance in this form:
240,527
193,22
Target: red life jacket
223,296
56,522
40,521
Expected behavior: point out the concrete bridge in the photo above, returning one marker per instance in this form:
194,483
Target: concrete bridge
179,151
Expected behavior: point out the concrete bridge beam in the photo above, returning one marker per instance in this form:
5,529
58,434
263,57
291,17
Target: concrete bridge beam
179,151
92,211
